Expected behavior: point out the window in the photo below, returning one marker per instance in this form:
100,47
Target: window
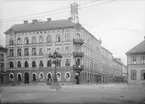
49,76
41,76
41,64
48,50
19,41
11,76
66,36
133,74
19,64
11,65
1,57
1,66
133,60
143,59
48,39
78,36
34,40
33,64
26,40
67,76
67,63
19,77
58,50
18,52
58,76
67,49
58,38
48,63
26,51
33,51
26,65
142,74
41,39
11,52
58,63
40,51
78,62
34,76
11,41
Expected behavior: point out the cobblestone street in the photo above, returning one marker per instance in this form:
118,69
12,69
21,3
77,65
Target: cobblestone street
105,94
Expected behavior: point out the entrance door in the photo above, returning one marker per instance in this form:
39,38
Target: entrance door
26,76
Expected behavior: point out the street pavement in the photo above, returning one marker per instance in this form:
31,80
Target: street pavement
82,94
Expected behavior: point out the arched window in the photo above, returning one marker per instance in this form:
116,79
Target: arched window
34,39
19,77
58,38
78,36
19,64
11,41
41,64
26,40
11,76
26,64
41,39
67,76
19,41
58,76
33,64
41,76
48,38
34,76
11,65
49,76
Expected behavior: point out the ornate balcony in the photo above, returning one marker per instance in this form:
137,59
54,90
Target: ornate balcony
78,67
78,54
78,41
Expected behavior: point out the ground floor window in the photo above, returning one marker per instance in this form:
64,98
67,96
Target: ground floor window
19,77
142,74
2,79
67,76
133,74
11,76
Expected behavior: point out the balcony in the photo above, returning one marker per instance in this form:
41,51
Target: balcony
78,68
78,41
78,54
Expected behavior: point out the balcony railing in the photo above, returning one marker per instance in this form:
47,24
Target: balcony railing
78,41
78,54
78,67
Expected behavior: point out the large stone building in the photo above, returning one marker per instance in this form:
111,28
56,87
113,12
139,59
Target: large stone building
30,43
136,64
3,74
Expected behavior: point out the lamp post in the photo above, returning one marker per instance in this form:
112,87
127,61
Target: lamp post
55,57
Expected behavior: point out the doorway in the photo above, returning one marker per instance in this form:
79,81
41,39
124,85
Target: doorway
26,76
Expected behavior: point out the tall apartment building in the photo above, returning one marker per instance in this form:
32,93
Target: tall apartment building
30,43
3,74
136,64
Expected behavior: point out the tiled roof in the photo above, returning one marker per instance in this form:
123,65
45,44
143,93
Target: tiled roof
140,48
53,24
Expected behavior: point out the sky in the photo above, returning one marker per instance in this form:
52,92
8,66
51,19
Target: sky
120,24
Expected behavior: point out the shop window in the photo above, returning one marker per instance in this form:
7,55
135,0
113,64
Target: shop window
133,74
142,74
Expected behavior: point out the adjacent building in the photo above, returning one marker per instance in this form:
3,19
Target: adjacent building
30,43
136,64
3,74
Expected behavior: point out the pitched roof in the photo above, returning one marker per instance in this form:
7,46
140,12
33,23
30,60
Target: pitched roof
26,27
138,49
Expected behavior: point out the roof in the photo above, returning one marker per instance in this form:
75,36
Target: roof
106,50
138,49
3,49
37,26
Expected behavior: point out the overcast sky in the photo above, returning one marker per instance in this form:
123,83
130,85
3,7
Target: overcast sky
120,24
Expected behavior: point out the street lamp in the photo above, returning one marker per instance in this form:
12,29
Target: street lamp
55,59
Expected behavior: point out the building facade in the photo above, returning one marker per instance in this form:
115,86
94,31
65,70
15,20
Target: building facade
29,45
3,74
136,64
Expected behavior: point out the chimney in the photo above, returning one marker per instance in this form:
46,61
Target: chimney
34,21
48,19
25,21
